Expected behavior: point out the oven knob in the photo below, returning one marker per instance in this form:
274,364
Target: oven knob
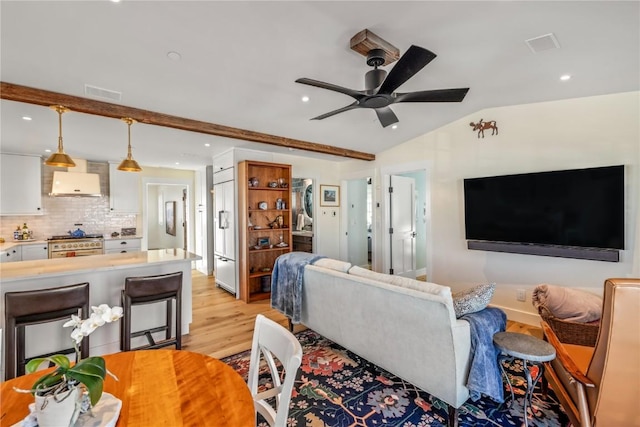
63,246
75,245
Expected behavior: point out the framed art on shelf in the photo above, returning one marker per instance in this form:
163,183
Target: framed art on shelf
329,195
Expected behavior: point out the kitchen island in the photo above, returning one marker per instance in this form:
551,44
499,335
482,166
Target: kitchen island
106,275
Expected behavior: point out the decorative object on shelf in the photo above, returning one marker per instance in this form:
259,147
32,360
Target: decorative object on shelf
60,158
170,217
481,126
129,164
59,393
282,183
280,204
263,242
273,184
265,283
277,222
253,182
329,195
263,205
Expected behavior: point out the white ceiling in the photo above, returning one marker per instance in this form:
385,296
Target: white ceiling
239,61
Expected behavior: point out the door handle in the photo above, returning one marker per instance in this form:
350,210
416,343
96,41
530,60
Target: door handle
414,234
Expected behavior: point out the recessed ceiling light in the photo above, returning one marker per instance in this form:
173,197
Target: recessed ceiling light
394,126
174,56
47,151
177,163
27,118
115,1
207,145
565,77
305,98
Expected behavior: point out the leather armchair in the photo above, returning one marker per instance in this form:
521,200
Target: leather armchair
600,386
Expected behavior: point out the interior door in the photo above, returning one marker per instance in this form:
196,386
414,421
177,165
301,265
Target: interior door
402,217
357,243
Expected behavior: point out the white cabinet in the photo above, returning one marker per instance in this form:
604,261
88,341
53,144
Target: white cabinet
12,254
124,190
21,186
115,246
35,251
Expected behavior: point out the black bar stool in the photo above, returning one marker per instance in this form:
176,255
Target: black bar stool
148,290
35,307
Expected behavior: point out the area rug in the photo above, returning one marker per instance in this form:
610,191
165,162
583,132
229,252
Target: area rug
335,387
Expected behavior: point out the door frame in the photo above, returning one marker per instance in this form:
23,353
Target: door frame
400,169
189,215
344,213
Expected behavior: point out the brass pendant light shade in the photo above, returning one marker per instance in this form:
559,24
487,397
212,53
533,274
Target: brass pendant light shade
128,164
60,158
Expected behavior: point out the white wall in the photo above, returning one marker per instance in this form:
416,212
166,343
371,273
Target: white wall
570,134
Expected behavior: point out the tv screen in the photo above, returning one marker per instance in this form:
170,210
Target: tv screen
580,207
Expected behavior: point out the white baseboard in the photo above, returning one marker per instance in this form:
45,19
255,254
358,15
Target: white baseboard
527,318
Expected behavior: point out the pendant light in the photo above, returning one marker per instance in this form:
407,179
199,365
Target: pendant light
60,158
128,164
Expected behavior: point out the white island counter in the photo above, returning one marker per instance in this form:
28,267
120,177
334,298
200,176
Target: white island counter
106,275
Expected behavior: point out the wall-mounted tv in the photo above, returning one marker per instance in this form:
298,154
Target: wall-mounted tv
575,208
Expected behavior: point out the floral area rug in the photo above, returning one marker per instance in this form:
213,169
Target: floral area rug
335,387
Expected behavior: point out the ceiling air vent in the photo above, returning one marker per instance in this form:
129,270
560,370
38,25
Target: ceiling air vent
98,92
545,42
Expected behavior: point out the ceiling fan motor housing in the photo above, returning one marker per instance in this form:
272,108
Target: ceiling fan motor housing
374,78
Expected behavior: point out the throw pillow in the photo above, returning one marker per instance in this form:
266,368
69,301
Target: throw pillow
333,264
571,305
472,299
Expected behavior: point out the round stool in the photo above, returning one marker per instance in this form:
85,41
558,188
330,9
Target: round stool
530,350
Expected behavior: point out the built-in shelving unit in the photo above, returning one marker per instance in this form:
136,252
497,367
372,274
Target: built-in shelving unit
264,199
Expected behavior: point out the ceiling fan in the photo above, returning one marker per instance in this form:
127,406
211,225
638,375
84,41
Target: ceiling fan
379,87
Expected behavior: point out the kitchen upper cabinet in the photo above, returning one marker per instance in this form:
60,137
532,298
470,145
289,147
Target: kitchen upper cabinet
35,251
20,185
124,190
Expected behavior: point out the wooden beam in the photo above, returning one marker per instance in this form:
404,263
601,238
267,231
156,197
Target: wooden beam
13,92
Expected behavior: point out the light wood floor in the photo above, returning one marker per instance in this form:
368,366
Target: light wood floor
223,325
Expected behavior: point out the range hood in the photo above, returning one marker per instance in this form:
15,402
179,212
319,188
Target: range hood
76,182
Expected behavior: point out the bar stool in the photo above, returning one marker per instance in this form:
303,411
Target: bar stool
149,290
36,307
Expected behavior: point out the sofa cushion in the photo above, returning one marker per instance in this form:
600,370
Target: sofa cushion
472,299
333,264
403,282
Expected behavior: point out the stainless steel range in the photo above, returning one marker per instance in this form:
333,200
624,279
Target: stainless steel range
70,246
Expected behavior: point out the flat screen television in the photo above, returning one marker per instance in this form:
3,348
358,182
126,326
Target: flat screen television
578,208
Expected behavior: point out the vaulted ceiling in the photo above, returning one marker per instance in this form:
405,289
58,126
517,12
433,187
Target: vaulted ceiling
238,62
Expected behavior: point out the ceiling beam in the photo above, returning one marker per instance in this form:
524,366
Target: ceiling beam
13,92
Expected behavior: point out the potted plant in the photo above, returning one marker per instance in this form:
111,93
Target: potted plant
59,393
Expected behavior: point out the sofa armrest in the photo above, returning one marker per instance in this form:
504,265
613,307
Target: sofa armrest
564,357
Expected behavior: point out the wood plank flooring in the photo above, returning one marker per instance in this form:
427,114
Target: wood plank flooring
223,325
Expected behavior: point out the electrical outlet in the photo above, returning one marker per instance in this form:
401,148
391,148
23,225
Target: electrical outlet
521,295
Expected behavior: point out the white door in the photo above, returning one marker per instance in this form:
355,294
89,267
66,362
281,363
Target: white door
357,222
402,232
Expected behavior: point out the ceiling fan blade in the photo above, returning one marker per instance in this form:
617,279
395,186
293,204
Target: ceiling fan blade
334,112
317,83
413,60
440,95
386,116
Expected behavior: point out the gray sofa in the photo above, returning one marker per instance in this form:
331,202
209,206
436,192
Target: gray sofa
404,326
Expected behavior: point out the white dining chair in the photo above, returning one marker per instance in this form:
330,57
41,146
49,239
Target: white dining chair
271,339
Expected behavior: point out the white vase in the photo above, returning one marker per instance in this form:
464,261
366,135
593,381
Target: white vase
58,411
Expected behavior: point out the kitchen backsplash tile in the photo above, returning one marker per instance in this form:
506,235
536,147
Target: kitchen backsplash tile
61,213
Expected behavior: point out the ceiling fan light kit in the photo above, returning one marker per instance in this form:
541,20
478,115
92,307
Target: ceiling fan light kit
380,86
60,158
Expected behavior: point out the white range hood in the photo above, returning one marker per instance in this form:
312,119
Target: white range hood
76,182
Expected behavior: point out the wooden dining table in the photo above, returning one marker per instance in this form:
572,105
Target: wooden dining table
158,388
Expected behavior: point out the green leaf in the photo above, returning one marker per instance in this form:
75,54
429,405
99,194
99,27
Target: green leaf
90,372
57,359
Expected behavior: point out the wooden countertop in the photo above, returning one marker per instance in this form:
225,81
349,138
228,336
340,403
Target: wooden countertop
61,266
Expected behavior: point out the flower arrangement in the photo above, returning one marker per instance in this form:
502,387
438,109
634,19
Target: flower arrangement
89,372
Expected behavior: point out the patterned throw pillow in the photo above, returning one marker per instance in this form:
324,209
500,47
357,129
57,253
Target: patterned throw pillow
472,299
